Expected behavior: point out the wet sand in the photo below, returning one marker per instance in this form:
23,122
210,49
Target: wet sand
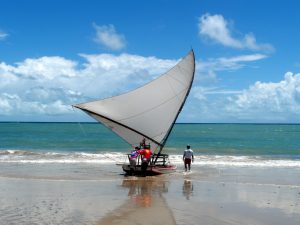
145,205
95,194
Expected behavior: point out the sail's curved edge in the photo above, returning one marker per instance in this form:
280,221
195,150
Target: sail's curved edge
145,84
102,119
165,97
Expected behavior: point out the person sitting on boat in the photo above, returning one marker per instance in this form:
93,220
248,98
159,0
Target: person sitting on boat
133,156
143,143
188,157
146,154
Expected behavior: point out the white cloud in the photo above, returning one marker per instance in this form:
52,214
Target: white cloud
50,85
269,101
207,69
216,28
5,105
242,58
3,35
37,84
15,105
261,102
250,42
108,37
46,68
218,91
202,93
116,74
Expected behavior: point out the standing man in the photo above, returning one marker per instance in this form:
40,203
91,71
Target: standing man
146,154
188,157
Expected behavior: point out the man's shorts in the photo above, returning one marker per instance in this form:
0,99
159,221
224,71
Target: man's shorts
187,161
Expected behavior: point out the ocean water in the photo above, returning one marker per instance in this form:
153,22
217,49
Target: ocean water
262,145
66,173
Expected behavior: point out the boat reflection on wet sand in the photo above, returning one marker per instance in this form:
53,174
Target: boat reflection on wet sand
145,204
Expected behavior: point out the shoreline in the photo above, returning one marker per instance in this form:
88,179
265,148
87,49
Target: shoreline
19,157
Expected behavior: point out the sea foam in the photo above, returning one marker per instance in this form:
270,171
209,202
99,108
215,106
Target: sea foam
42,157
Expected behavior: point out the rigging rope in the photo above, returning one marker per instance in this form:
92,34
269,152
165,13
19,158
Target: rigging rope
79,124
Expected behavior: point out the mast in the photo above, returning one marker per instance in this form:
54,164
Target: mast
169,131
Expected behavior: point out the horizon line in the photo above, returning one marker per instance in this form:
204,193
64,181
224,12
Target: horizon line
191,123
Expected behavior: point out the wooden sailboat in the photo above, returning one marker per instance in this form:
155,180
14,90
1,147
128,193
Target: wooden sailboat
147,113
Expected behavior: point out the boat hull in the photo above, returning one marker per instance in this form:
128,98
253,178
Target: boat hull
152,170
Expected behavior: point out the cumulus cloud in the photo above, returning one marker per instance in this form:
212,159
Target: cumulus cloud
45,68
107,36
14,104
218,29
3,35
261,102
50,85
269,101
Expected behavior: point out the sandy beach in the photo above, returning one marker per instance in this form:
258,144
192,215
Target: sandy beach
100,194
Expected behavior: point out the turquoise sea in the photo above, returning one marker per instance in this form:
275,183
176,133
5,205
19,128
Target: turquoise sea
232,144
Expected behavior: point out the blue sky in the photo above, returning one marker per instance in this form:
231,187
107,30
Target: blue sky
57,53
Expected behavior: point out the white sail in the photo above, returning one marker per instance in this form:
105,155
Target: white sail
147,112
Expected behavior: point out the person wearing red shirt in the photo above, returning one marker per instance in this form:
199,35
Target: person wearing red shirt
146,154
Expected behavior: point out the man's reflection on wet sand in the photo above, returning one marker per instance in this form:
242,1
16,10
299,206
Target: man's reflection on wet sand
187,188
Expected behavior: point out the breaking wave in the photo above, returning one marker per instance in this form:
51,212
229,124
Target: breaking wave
42,157
20,156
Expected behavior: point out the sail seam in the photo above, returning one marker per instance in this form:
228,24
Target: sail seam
180,68
151,109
